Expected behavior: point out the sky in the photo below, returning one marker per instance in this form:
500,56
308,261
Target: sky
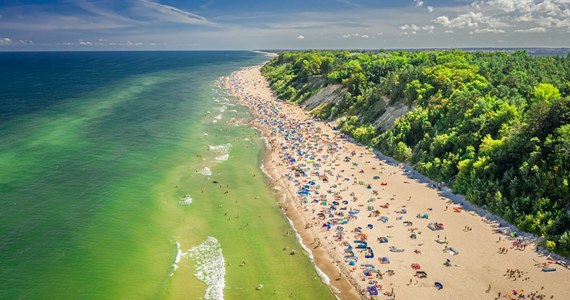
27,25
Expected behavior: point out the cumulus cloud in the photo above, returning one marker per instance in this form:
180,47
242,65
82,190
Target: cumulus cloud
546,13
5,41
413,28
418,3
471,20
410,27
430,9
300,37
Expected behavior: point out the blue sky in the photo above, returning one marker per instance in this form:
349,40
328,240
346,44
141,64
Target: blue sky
284,24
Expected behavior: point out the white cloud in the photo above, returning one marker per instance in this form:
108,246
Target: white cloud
418,3
167,13
349,3
357,35
546,13
489,30
5,41
471,20
410,27
430,9
300,37
534,29
10,42
448,31
551,22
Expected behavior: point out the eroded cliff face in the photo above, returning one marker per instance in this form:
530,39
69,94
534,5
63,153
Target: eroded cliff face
330,95
325,97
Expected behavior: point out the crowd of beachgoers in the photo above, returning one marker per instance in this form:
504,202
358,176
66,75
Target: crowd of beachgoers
387,234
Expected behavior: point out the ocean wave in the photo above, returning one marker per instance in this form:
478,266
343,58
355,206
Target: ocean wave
262,167
210,267
221,148
179,254
326,280
186,200
223,157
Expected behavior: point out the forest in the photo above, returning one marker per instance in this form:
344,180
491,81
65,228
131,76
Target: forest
493,126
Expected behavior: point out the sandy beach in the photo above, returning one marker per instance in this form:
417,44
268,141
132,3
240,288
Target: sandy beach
371,228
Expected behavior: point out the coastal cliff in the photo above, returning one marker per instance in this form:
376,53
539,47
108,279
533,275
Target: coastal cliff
492,126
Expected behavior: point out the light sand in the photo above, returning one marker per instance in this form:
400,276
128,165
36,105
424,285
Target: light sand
479,271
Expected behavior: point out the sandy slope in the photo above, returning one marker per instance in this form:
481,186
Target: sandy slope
477,272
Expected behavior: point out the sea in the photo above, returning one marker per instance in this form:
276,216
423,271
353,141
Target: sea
134,175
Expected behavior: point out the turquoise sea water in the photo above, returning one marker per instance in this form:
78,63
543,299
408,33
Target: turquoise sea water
99,150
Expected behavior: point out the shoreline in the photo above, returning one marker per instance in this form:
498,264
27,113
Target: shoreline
341,288
251,90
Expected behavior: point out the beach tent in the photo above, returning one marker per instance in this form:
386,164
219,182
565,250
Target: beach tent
416,266
372,290
438,285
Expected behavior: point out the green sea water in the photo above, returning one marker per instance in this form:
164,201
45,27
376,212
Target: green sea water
97,153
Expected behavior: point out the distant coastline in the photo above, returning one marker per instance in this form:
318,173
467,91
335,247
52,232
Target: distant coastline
535,51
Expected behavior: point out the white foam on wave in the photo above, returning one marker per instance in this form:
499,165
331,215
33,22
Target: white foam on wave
218,117
223,157
186,200
210,267
206,171
222,108
262,167
326,280
220,148
179,254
